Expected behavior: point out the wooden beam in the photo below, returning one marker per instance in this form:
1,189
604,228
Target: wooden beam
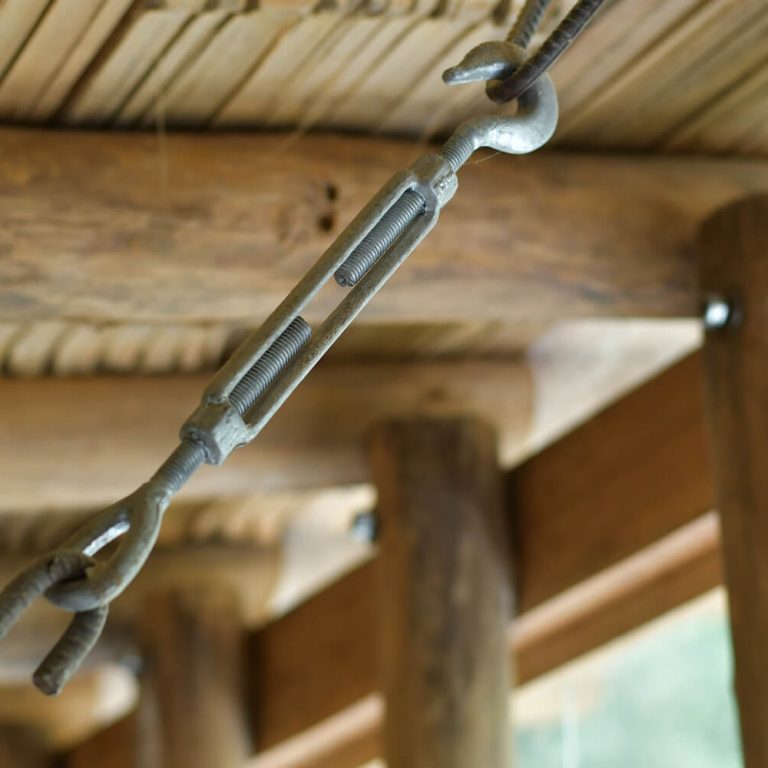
192,697
312,671
125,227
676,569
622,482
680,567
21,749
734,269
644,460
445,594
115,747
85,442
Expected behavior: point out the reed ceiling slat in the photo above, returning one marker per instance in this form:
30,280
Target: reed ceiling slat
675,76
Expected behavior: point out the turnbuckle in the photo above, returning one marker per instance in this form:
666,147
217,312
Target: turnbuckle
260,376
271,363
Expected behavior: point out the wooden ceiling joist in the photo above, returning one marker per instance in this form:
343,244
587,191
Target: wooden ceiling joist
117,227
619,509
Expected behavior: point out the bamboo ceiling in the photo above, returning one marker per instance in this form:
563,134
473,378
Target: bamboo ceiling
659,75
683,75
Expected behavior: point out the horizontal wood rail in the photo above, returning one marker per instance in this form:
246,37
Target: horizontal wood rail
77,443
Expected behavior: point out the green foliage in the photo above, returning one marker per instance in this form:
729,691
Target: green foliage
665,702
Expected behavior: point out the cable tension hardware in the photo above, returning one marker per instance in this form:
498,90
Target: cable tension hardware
269,365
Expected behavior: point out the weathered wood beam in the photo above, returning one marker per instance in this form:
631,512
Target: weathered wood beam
622,482
636,472
663,576
444,594
639,471
191,705
734,269
680,567
115,747
219,227
22,749
73,443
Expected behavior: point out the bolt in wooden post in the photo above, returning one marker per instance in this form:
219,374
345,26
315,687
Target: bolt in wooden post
733,248
444,594
192,713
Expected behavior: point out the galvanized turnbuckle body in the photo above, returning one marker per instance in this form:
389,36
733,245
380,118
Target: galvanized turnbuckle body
269,365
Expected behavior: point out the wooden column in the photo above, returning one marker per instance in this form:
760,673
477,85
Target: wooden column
20,748
444,594
192,712
733,247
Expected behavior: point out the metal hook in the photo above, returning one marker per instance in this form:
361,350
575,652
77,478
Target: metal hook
498,63
494,60
529,129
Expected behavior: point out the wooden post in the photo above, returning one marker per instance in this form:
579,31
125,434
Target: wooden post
192,712
734,269
19,748
444,594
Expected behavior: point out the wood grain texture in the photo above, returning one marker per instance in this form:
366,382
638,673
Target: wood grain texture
646,452
670,74
641,471
72,443
101,96
682,70
148,99
207,82
647,545
18,19
445,594
191,707
679,568
292,55
90,47
20,749
118,227
734,266
43,55
114,747
669,573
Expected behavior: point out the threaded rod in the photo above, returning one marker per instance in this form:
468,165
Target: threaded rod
179,466
270,364
380,239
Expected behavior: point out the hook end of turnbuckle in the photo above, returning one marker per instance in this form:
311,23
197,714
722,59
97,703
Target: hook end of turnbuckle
495,60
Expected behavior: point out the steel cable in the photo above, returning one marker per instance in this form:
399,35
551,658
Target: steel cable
550,51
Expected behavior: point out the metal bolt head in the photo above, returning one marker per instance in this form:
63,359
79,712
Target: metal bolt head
717,313
365,527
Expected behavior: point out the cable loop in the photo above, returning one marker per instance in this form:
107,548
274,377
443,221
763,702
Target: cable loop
81,635
507,73
72,578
